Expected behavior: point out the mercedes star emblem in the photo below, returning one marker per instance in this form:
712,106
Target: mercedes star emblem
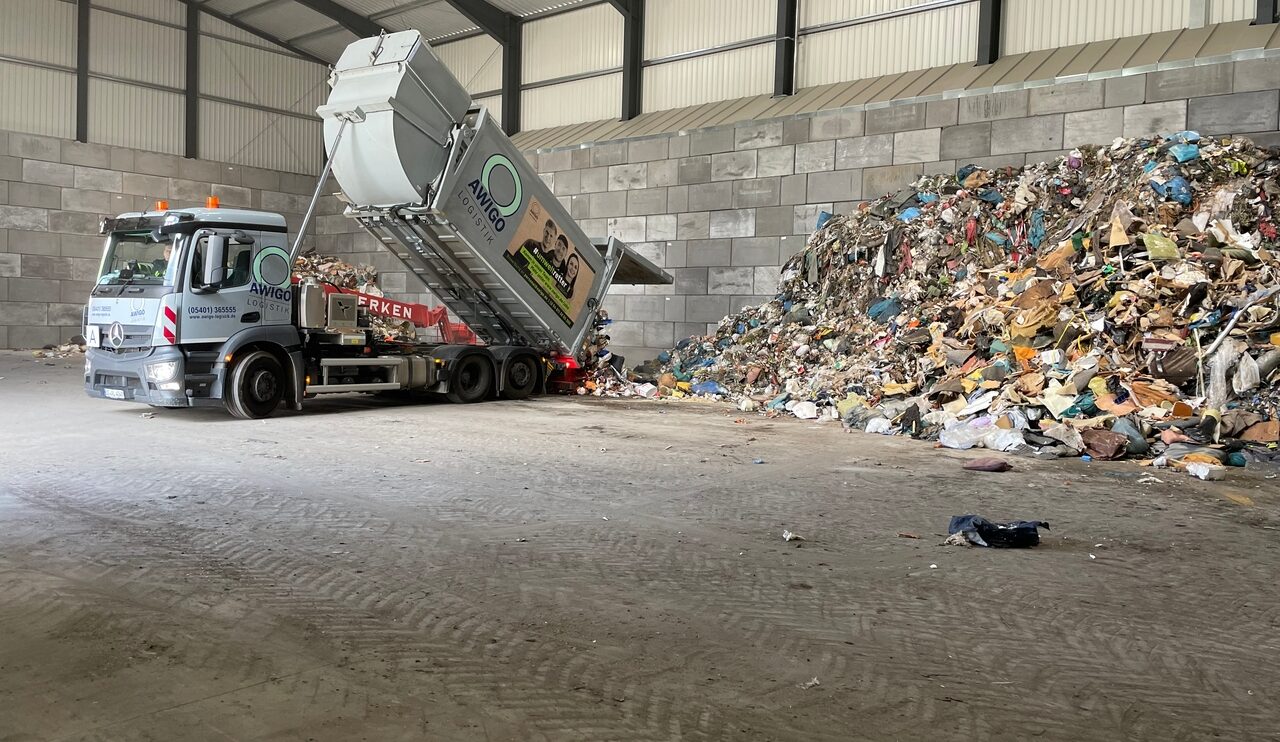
115,335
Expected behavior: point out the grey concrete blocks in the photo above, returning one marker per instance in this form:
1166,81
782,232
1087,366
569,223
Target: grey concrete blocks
1238,113
711,141
627,177
895,118
678,199
594,179
795,131
730,280
23,217
678,146
1127,90
45,266
733,223
24,313
40,243
805,218
765,279
754,251
794,189
693,226
646,150
757,135
580,158
73,222
567,183
757,192
32,194
33,290
1092,127
677,257
1189,82
774,221
815,157
772,161
1153,118
1032,133
696,169
733,165
607,204
549,162
838,185
993,106
691,280
661,227
646,201
34,147
89,155
942,113
627,334
921,145
868,151
10,168
877,181
10,265
1073,96
966,140
229,195
612,153
711,196
659,334
836,125
703,253
626,228
706,308
1256,74
48,173
663,173
643,307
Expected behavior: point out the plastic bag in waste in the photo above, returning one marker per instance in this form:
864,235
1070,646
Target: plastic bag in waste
967,434
1160,247
1247,375
708,388
999,439
1017,534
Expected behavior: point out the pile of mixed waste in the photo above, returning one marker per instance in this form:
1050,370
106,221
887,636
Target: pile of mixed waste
1121,301
358,277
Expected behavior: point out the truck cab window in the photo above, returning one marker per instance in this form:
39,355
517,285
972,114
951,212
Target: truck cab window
239,263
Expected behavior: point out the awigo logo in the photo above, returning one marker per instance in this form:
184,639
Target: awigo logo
495,210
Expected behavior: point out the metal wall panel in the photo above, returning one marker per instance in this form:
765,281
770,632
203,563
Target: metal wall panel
592,99
169,11
131,49
494,104
476,62
257,76
1225,11
688,82
569,43
679,26
1032,25
815,12
37,100
211,25
928,39
39,30
434,21
135,116
246,136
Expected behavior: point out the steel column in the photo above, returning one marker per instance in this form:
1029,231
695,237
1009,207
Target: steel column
1267,11
784,62
82,71
508,31
989,31
191,143
632,56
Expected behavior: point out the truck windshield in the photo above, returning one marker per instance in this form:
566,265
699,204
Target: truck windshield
138,258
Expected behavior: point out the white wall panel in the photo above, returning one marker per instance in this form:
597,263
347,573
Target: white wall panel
241,73
39,30
136,50
169,11
476,62
584,40
1224,11
928,39
816,12
678,26
494,104
592,99
733,74
245,136
1031,25
37,101
134,116
211,25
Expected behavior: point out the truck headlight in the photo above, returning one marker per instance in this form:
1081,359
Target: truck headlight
163,371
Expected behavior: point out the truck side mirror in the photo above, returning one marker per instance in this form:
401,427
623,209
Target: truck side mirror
214,270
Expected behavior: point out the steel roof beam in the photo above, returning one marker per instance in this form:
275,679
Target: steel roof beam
343,16
247,28
508,31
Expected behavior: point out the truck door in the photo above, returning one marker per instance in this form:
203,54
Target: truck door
214,316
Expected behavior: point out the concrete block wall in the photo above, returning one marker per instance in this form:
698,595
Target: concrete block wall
722,209
53,193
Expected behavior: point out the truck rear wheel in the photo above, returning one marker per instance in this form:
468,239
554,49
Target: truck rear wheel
256,386
520,377
470,379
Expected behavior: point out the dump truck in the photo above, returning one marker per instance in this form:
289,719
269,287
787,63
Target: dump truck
201,307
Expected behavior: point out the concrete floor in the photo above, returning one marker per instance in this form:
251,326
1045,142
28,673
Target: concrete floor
567,569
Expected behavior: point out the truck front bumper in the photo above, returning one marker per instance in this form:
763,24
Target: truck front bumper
123,377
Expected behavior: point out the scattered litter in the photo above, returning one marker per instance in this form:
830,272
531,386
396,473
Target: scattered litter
990,464
933,566
812,683
757,461
147,415
1208,472
789,536
904,534
982,532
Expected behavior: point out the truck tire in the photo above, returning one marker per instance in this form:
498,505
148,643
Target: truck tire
470,379
520,377
255,386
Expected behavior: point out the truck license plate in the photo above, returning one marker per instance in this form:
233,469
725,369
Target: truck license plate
114,393
93,336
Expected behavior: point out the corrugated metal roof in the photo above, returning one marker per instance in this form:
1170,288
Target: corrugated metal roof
529,7
1131,55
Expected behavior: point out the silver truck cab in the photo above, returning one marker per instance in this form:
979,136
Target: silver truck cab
159,328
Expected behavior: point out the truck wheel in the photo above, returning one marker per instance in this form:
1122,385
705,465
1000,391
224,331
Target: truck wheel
256,386
470,379
521,376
